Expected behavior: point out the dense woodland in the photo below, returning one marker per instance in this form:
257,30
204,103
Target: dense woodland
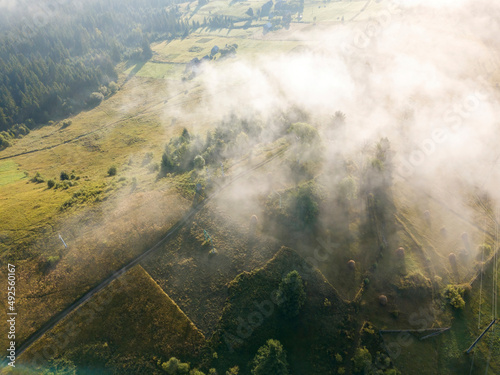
49,69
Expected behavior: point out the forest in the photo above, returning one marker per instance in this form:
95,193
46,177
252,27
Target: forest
50,71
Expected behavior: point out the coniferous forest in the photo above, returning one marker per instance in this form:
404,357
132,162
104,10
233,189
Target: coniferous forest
51,68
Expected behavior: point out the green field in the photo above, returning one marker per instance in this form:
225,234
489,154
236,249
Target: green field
9,172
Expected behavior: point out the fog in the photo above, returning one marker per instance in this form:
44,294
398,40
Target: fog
422,73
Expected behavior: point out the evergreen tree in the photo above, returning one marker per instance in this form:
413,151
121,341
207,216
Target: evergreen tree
292,293
270,359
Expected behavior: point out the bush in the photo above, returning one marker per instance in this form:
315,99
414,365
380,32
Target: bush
113,87
174,367
415,285
47,263
180,153
95,99
199,162
103,90
455,296
61,366
65,124
64,176
270,359
4,141
37,178
53,260
291,290
361,359
19,130
50,184
87,194
112,171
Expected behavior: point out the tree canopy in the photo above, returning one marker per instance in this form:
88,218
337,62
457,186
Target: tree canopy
292,292
270,359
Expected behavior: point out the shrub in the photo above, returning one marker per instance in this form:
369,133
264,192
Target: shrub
84,195
4,142
361,359
50,184
112,171
113,87
95,99
19,130
53,260
199,162
174,367
455,296
103,90
47,263
64,176
60,366
65,124
37,178
415,285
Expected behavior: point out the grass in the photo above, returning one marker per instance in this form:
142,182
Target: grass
226,8
178,51
142,325
159,70
334,11
9,173
118,132
186,271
